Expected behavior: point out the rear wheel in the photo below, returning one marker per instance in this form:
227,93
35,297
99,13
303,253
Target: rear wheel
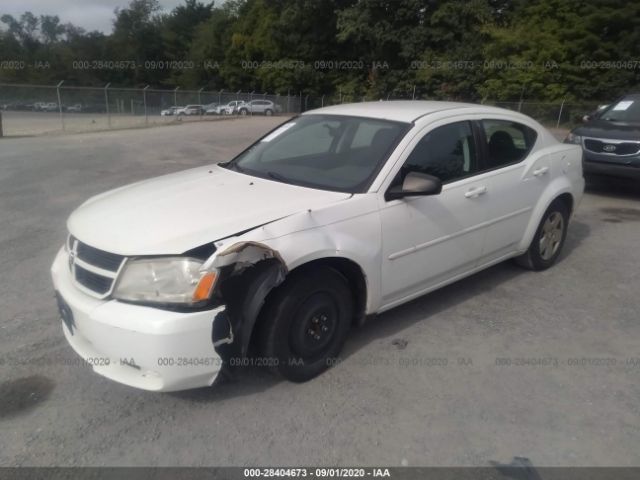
305,323
243,111
549,238
268,112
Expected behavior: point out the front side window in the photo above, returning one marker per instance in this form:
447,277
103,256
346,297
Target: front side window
330,152
447,152
507,142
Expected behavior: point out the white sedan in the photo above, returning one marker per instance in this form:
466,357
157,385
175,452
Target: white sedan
169,112
334,216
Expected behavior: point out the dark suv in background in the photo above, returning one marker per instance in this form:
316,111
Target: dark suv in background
611,139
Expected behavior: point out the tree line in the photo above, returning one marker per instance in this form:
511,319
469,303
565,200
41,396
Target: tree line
456,49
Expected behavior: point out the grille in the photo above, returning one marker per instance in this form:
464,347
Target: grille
622,148
99,258
93,269
93,281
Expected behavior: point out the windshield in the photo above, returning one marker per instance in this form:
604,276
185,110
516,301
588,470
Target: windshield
330,152
626,110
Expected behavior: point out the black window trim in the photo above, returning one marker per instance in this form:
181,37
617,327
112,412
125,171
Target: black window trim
477,144
481,136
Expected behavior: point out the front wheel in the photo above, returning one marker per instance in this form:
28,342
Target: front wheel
305,323
548,240
243,112
268,112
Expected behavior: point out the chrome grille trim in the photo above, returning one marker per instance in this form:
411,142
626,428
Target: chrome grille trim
104,260
94,282
93,271
609,141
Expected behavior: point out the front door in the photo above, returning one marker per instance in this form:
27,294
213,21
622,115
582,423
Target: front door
432,239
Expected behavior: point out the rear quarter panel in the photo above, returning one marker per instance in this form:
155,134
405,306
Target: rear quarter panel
565,162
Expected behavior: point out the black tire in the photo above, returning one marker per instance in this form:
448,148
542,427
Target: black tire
268,112
542,254
243,111
305,323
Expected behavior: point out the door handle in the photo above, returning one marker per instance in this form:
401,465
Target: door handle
538,172
475,192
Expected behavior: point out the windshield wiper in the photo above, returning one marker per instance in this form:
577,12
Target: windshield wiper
279,177
231,165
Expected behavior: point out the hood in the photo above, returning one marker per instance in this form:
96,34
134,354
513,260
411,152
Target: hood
177,212
612,130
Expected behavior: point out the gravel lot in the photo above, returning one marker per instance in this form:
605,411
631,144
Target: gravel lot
505,363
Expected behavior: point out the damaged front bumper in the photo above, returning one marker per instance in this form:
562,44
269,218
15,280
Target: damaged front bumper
139,346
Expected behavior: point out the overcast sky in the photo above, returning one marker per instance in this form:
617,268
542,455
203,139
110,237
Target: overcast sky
88,14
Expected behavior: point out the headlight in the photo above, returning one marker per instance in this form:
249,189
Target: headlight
573,138
177,280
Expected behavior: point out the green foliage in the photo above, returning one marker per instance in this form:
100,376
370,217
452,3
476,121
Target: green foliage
178,31
564,41
454,48
460,49
51,29
137,37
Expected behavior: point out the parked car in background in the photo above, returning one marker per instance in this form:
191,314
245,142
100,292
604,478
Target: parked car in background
217,110
76,108
592,115
264,107
611,139
230,108
46,107
211,109
190,110
168,112
334,216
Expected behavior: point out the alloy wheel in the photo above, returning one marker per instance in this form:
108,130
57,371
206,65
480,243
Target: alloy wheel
551,238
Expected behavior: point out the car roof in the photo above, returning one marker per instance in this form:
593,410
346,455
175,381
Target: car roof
403,110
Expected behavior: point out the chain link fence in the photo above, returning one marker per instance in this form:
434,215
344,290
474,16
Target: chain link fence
40,109
558,115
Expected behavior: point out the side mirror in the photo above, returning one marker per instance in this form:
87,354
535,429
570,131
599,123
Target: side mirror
415,184
586,118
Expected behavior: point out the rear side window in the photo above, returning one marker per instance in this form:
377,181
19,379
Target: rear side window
507,142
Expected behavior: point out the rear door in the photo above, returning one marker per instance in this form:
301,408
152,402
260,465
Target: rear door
517,175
